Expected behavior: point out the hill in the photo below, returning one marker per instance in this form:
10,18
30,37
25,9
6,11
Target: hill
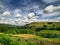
35,33
36,28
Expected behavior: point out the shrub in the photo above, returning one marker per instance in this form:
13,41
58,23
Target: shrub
49,22
38,29
52,28
44,25
58,28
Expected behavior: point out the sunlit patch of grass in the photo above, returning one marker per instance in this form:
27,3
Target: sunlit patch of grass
25,35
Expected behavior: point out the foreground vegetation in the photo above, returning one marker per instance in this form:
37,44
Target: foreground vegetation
18,40
36,33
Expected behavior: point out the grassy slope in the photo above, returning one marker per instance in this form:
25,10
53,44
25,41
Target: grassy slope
22,39
14,39
40,24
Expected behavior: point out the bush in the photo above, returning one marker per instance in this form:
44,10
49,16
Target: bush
49,33
49,22
44,25
52,28
58,28
38,29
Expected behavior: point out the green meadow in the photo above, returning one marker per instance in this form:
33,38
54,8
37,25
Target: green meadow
35,33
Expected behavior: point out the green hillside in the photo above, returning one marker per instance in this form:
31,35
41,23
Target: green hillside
36,33
45,24
18,40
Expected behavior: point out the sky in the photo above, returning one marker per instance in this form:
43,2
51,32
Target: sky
21,12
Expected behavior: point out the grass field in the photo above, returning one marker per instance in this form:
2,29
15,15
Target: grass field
36,33
26,39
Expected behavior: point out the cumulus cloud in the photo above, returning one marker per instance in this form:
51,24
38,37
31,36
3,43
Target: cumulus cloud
50,1
31,14
26,20
52,9
5,22
57,19
31,18
17,11
51,12
18,15
6,13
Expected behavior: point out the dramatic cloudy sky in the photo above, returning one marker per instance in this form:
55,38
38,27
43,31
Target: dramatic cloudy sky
26,11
